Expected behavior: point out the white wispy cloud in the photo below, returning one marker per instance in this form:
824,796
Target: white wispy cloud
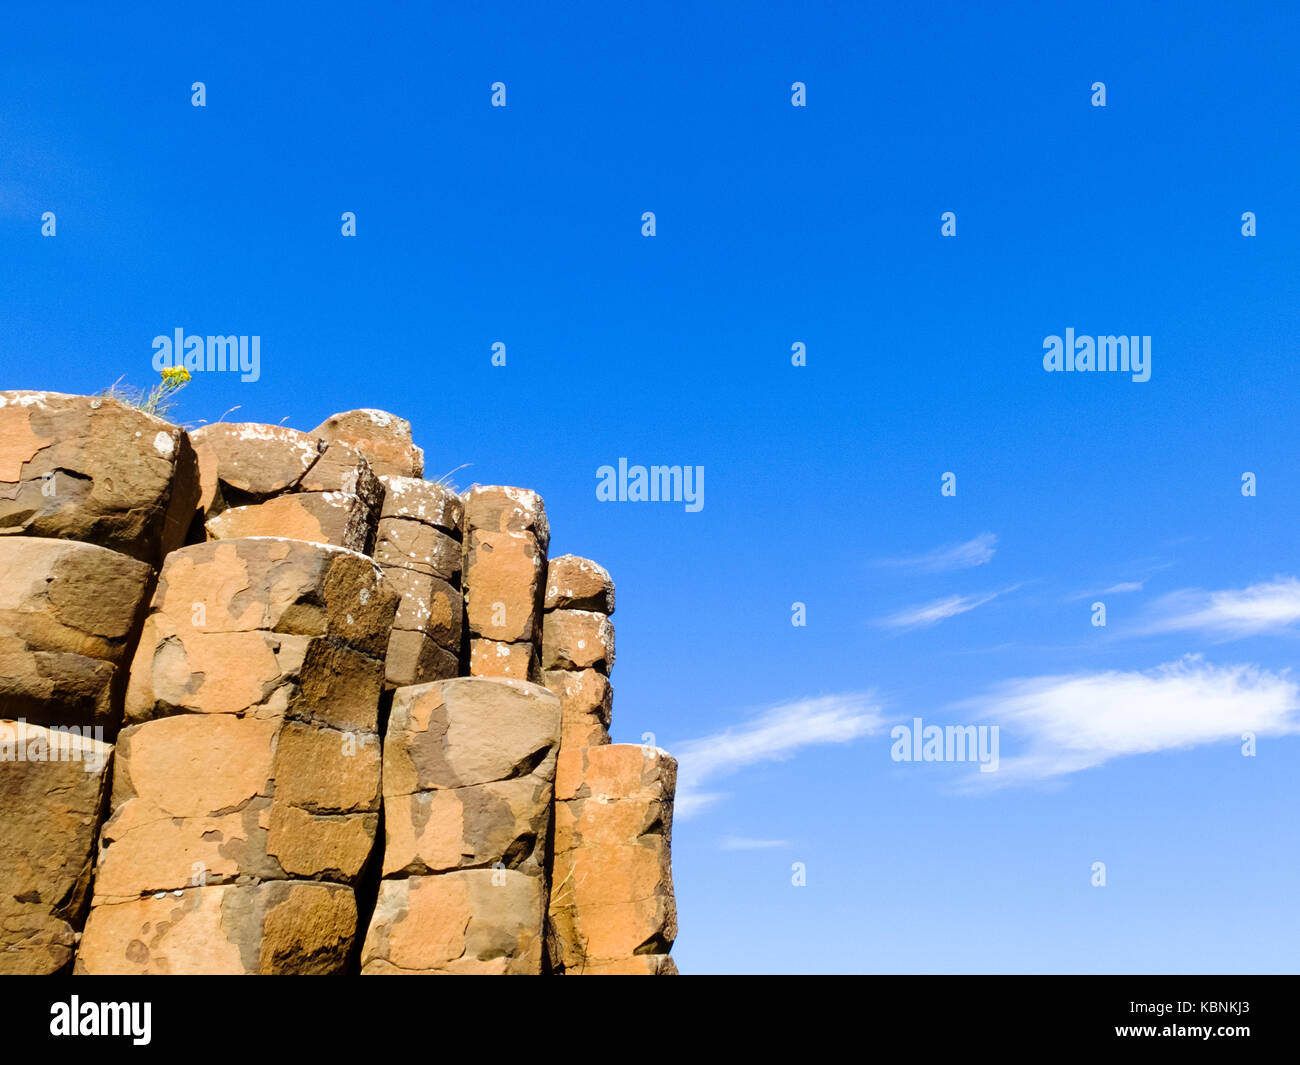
1066,723
742,843
1272,606
936,611
773,735
974,552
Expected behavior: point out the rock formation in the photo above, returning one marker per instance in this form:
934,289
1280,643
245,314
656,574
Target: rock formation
270,702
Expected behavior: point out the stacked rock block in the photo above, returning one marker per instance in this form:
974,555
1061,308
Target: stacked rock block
506,538
266,480
246,798
419,548
469,770
93,493
612,909
53,787
611,906
577,656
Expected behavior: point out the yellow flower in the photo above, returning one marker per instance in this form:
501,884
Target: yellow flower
176,376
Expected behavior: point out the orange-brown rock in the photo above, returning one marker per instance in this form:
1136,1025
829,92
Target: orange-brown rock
53,785
383,438
472,922
426,502
273,928
574,583
612,896
416,658
213,798
68,613
245,462
469,766
414,545
515,661
342,519
499,508
468,779
576,640
503,583
427,604
277,585
586,703
93,469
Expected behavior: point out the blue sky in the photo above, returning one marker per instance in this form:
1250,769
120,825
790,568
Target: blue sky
777,225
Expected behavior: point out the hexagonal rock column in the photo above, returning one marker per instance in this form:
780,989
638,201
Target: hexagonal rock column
469,766
612,908
266,480
506,538
577,656
69,614
247,790
92,469
419,548
53,784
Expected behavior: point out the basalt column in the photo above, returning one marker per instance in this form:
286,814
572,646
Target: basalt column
469,769
246,793
577,657
506,538
419,548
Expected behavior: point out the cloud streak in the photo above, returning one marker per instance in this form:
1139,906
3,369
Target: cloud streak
774,735
1273,606
936,611
1067,723
973,552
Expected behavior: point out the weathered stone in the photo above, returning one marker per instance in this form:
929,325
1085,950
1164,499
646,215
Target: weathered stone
252,461
56,687
586,702
469,730
274,928
282,586
477,921
383,438
416,658
515,661
341,519
342,468
53,786
612,896
191,801
212,798
427,604
93,469
468,771
476,826
414,545
68,614
498,508
426,502
503,583
574,583
265,674
60,595
33,942
577,639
